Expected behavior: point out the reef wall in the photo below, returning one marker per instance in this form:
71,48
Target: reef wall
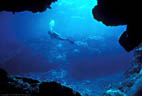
132,85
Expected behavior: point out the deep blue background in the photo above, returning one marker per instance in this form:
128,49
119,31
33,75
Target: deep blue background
25,45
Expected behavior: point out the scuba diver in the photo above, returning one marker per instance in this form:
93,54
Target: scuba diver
55,35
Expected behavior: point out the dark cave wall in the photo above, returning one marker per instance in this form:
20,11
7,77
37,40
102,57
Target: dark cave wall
124,12
25,5
121,12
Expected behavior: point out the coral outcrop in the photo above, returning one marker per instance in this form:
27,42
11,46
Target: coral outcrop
19,85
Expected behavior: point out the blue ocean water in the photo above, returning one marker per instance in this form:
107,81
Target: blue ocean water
90,64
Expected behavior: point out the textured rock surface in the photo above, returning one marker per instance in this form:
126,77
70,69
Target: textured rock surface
132,85
19,85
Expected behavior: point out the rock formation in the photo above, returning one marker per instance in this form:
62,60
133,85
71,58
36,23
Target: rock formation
19,85
124,12
132,85
25,5
121,12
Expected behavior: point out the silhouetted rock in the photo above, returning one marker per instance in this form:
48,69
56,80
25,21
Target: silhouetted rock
3,75
3,80
139,92
55,89
121,12
28,80
25,5
19,85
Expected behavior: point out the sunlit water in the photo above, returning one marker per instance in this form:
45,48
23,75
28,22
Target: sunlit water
88,66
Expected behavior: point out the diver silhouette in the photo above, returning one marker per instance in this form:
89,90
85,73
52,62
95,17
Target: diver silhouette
56,35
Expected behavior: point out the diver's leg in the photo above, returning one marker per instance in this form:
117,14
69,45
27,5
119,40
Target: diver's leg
71,41
60,38
66,39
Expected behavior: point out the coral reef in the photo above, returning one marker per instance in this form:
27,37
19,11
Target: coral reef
20,85
25,5
132,85
121,12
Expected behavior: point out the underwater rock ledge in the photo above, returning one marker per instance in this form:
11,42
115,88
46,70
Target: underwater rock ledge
132,85
26,86
25,5
121,12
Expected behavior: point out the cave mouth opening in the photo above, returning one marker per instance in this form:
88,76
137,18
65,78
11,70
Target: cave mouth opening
96,58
